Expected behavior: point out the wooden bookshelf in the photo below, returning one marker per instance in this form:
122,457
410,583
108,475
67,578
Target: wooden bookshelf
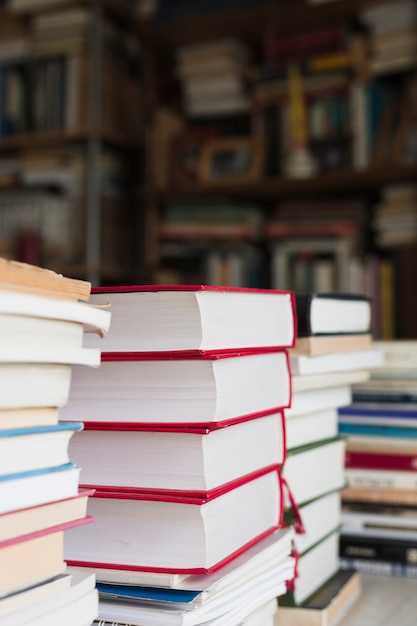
248,23
43,139
334,183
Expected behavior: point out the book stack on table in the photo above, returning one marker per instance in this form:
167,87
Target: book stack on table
43,319
379,532
333,350
184,441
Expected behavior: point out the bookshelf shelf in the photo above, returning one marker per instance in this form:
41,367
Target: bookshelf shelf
58,137
248,23
365,181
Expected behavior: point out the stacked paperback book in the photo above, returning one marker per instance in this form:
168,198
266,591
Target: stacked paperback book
332,352
379,531
184,441
43,319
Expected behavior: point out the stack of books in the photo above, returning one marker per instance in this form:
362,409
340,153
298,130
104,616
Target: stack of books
393,41
379,531
212,76
43,316
184,441
333,350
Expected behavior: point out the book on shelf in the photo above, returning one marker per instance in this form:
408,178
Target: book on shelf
28,489
176,532
336,361
381,495
379,520
327,605
332,313
143,457
380,452
28,449
74,605
379,568
195,318
377,479
30,559
296,263
382,414
33,519
247,583
400,354
143,388
396,550
325,473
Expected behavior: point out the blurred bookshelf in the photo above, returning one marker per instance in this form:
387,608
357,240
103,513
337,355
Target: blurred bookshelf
222,91
70,136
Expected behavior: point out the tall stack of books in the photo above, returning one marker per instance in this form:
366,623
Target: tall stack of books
379,531
333,350
42,320
184,440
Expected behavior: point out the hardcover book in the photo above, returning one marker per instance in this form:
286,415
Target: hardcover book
185,459
195,318
175,532
332,313
200,390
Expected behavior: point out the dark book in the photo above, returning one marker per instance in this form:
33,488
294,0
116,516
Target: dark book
332,313
379,549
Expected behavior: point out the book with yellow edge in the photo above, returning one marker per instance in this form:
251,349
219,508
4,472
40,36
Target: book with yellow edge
23,277
328,344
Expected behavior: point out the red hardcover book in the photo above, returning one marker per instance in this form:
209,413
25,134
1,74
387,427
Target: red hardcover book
30,559
143,457
195,319
161,532
180,389
382,461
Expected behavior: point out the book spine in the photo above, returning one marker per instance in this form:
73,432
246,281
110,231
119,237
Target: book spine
377,430
352,546
387,568
374,460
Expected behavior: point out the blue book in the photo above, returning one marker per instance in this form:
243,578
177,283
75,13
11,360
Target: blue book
378,430
175,598
35,448
377,412
21,490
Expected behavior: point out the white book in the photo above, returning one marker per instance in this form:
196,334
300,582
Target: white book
196,390
312,471
341,361
145,458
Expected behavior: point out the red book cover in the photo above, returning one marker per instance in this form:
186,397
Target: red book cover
232,314
381,461
130,561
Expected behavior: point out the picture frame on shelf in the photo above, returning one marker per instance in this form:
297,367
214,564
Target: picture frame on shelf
231,160
186,153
